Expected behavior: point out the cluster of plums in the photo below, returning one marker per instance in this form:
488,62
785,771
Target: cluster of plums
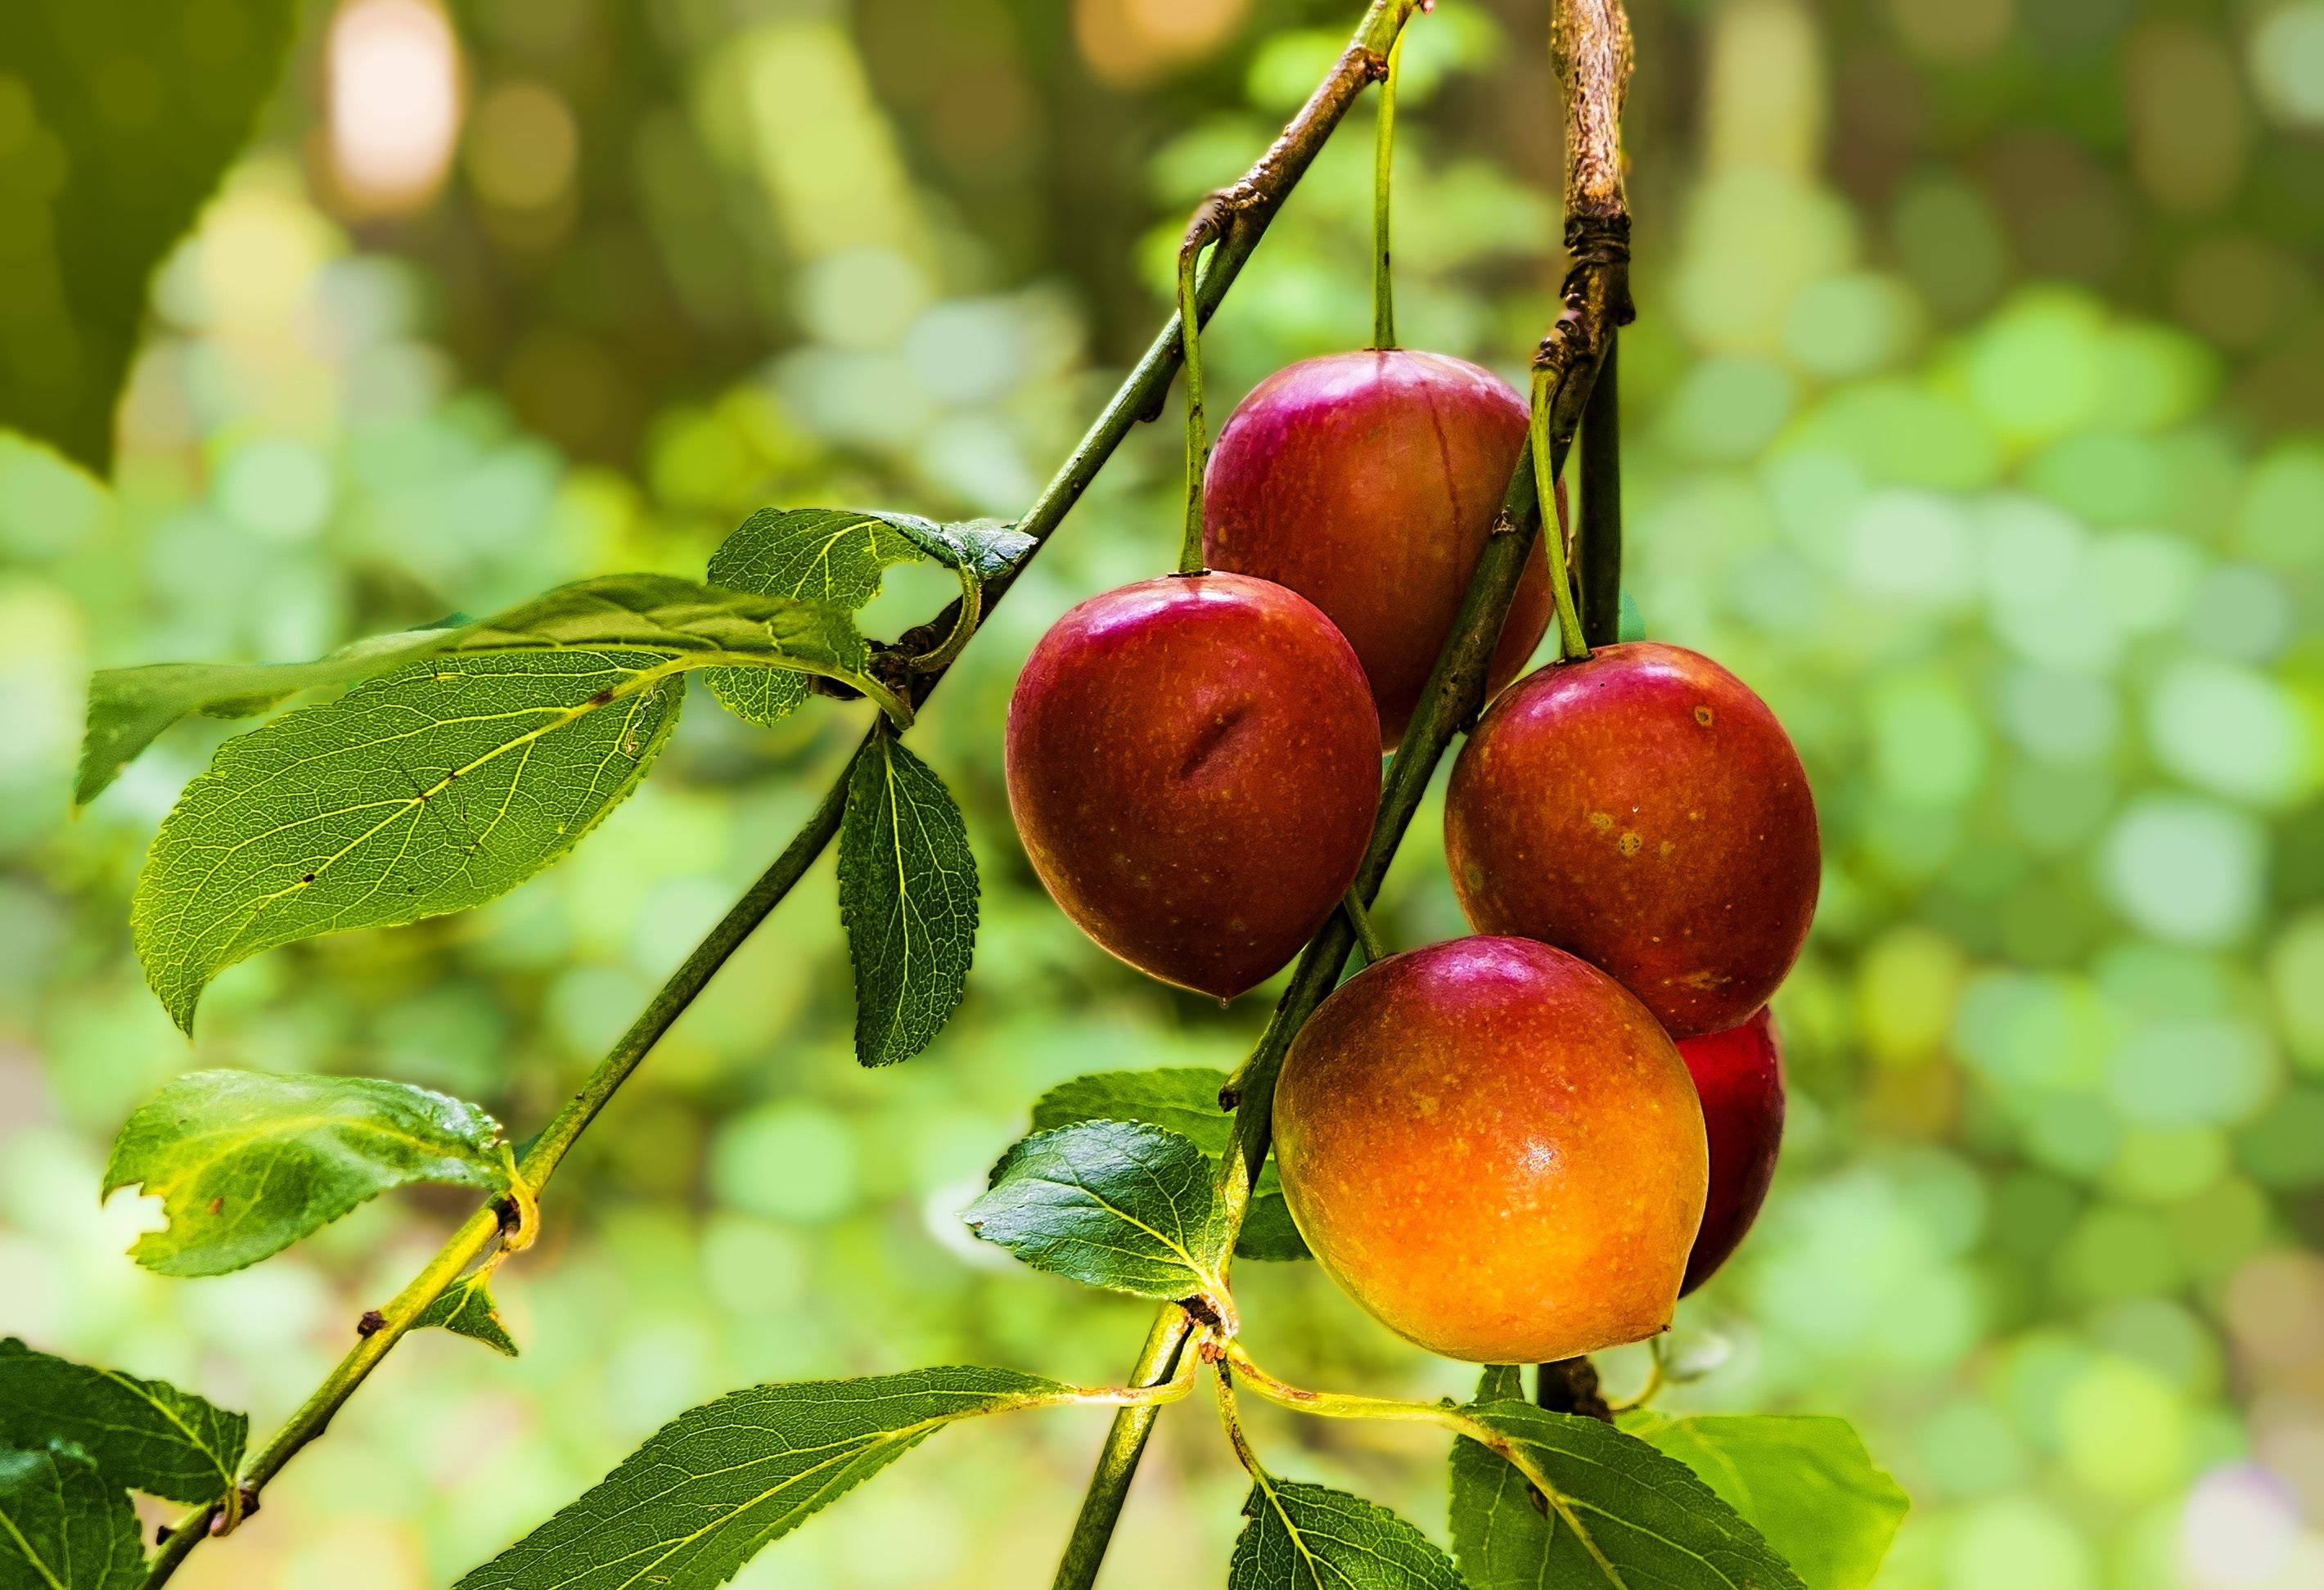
1509,1148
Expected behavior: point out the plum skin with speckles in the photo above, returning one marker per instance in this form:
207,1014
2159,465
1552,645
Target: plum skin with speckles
1494,1149
1194,766
1368,482
1738,1074
1644,810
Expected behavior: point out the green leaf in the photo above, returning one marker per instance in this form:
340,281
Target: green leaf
1186,1099
907,897
128,708
1311,1538
839,556
1804,1481
1114,1203
248,1162
686,1510
431,790
1500,1534
449,782
118,129
466,1308
682,625
142,1434
64,1526
1622,1515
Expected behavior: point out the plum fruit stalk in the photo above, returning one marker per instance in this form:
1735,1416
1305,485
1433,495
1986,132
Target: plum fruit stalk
1238,218
1591,42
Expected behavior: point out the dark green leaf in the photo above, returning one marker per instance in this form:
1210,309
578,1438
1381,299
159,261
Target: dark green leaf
1310,1537
681,623
466,1308
1500,1536
246,1162
1804,1481
63,1526
980,548
686,1510
1115,1203
143,1435
907,896
120,128
128,708
1186,1099
431,790
1632,620
1623,1514
838,555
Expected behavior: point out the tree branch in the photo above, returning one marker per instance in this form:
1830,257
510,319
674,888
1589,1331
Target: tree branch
1240,215
1592,40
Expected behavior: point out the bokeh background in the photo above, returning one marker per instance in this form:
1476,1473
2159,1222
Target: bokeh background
1975,415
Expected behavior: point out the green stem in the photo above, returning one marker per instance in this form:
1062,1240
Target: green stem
482,1231
1231,1420
1383,159
1454,691
1198,444
1570,641
1599,535
1158,1362
1138,397
1368,936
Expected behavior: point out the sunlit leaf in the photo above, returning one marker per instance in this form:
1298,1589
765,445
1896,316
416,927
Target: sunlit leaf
1310,1537
466,1308
1500,1534
248,1162
686,1510
907,894
685,624
431,790
838,555
118,128
64,1526
1804,1481
144,1435
1114,1203
128,708
1186,1100
1621,1513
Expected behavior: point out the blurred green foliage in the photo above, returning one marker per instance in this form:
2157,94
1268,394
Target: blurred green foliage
1975,415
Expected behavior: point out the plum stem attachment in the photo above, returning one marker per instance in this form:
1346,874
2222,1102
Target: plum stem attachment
524,1222
1383,161
1569,1385
1374,947
1653,1385
1570,642
1199,235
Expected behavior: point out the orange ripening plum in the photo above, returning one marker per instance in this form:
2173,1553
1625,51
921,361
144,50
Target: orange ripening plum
1738,1074
1368,482
1194,766
1643,809
1493,1148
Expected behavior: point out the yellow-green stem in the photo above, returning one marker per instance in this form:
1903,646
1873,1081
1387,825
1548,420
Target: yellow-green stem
1198,444
1375,948
1383,159
1570,642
